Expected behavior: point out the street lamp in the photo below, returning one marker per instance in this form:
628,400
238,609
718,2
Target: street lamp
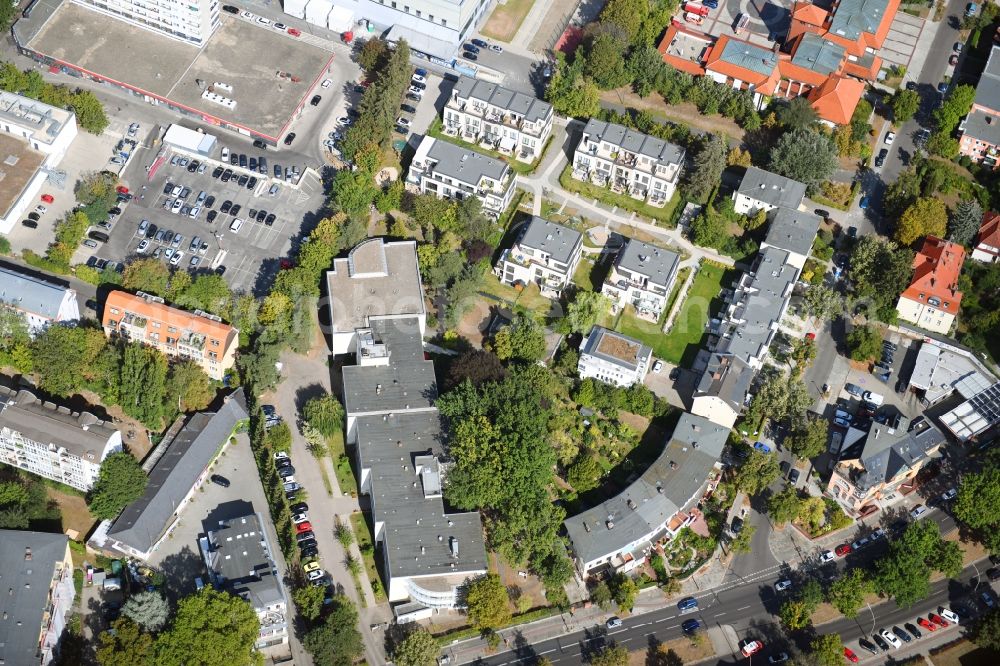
873,615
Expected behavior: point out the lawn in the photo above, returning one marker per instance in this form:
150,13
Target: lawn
505,20
529,298
363,535
687,335
342,465
663,216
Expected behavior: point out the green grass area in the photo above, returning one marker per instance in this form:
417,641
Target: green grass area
342,465
662,216
363,535
517,166
682,276
529,298
506,19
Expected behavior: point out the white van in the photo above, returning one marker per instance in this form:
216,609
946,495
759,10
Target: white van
236,225
875,398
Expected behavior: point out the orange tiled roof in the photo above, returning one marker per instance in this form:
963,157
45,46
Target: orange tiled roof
683,64
118,302
809,14
790,70
837,98
936,270
868,74
989,230
765,84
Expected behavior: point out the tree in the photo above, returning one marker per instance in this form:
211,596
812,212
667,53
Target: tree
64,357
904,104
709,229
149,275
779,397
797,114
645,66
784,506
738,157
325,413
418,649
344,535
757,472
926,216
627,15
601,595
337,641
605,62
964,222
847,592
805,155
709,163
584,310
585,473
624,591
149,610
522,339
477,366
823,302
986,632
309,601
879,270
904,574
571,93
143,383
978,504
120,481
615,655
373,55
188,387
127,645
803,354
740,545
865,343
795,614
216,626
827,650
89,112
809,438
486,603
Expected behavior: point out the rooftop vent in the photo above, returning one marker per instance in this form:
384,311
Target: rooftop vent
610,525
27,554
453,546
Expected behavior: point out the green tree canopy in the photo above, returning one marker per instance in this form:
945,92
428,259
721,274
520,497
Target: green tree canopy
584,310
827,650
847,592
964,221
523,339
571,93
904,104
120,482
805,155
986,632
214,628
418,649
709,162
605,62
823,302
486,603
149,610
188,388
978,504
809,438
309,601
927,216
325,413
784,506
127,645
611,655
624,591
797,114
756,473
880,270
904,573
864,342
337,641
627,15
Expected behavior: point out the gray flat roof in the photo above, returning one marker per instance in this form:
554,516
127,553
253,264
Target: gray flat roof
559,242
463,164
28,581
656,263
728,378
818,54
376,278
750,56
528,107
187,455
241,559
672,483
851,18
771,188
80,433
407,383
30,294
792,230
983,126
635,142
616,348
988,88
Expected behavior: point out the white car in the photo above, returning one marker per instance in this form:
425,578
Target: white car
949,495
344,121
168,252
278,455
783,585
176,259
143,246
402,122
236,225
891,638
948,614
827,556
889,138
658,366
416,91
176,208
225,154
326,83
918,511
416,78
177,190
40,209
315,575
299,518
194,212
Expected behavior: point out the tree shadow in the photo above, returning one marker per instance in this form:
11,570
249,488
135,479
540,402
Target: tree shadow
656,656
594,640
306,393
179,571
524,652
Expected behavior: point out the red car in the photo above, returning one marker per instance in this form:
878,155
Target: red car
48,198
810,336
303,527
843,549
749,647
929,626
294,32
938,620
121,189
850,656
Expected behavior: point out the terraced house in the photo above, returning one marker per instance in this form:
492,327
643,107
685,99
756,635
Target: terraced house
546,253
642,276
628,162
498,118
452,172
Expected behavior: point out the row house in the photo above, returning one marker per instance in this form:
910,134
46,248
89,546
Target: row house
498,118
628,162
453,172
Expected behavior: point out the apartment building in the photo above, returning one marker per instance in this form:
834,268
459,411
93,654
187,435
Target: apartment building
987,247
642,276
498,118
628,162
38,301
452,172
613,358
976,417
793,231
980,130
545,254
722,389
38,570
53,441
932,301
238,557
189,21
198,336
763,190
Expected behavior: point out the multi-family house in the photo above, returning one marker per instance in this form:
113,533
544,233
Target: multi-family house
545,253
980,130
453,172
763,190
498,118
987,247
642,276
932,301
37,568
238,557
626,161
39,302
613,358
53,441
792,231
722,389
199,336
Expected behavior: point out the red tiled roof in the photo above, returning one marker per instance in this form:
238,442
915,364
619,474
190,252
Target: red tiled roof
836,99
809,14
683,64
989,231
936,270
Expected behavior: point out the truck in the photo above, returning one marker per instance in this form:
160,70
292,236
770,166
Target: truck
696,8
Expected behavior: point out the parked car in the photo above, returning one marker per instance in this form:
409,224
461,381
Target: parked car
749,647
778,658
843,549
927,624
948,615
918,511
690,625
783,585
868,645
912,628
737,525
949,495
900,633
850,656
827,556
219,480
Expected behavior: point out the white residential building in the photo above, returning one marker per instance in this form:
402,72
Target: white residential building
498,118
627,161
452,172
642,276
190,21
763,190
613,358
546,253
52,441
39,302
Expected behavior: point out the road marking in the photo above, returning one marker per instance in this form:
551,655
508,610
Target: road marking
744,608
547,651
720,614
663,619
673,626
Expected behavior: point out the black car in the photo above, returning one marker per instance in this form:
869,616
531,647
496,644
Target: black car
822,212
286,471
230,9
219,480
912,628
289,138
31,224
242,160
880,642
315,100
235,210
34,217
99,236
261,215
234,159
868,645
880,158
151,230
168,188
227,175
737,526
308,543
269,220
262,166
242,180
226,205
252,182
217,171
311,551
253,163
784,466
258,143
793,476
407,108
674,374
902,634
471,48
283,462
469,55
277,171
301,507
209,201
212,214
411,96
220,270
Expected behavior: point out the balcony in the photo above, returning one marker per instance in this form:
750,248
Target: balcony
625,158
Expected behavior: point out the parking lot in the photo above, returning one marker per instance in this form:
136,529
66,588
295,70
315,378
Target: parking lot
244,222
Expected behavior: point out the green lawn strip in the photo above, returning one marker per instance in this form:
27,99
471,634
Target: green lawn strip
341,465
363,536
663,216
